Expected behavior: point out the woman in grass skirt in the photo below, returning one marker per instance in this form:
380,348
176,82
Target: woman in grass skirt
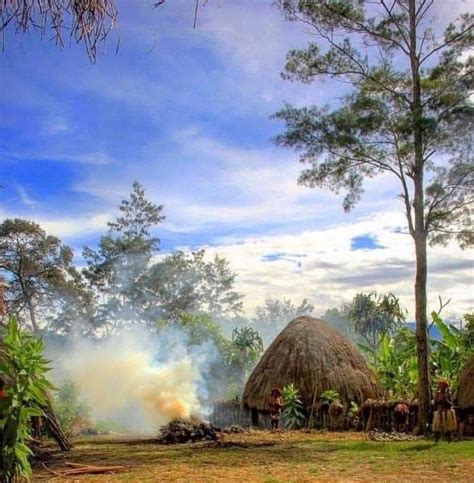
444,419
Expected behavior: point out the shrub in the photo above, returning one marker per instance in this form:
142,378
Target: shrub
24,367
293,415
70,410
330,395
449,354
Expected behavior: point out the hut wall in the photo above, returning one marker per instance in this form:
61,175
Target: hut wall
227,413
466,388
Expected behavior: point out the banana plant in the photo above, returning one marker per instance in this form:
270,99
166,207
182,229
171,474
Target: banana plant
395,363
449,354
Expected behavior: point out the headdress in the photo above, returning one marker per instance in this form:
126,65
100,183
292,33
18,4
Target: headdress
443,383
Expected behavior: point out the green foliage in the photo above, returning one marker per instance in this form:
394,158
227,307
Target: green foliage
38,268
468,333
293,415
199,329
243,351
189,283
121,283
374,129
136,289
234,391
117,268
396,363
248,341
235,356
69,408
239,355
24,368
449,355
75,315
374,315
354,410
330,395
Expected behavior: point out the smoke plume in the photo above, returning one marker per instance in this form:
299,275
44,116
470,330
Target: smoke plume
136,383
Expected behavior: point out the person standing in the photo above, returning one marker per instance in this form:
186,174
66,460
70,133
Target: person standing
444,419
275,404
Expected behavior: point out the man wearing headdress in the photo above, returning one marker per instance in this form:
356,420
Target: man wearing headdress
275,404
444,419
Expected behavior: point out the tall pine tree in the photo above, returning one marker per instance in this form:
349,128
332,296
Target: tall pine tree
116,269
409,114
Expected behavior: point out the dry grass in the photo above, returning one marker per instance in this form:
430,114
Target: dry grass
273,457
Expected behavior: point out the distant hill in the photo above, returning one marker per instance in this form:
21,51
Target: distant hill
434,332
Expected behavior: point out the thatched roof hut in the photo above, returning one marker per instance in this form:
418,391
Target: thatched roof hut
466,386
315,357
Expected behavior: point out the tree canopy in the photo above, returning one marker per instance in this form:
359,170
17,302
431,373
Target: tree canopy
117,268
374,315
38,269
371,131
183,282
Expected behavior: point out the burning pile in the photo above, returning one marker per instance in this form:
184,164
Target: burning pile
188,430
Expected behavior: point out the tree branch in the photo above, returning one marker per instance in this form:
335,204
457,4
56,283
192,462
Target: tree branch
445,44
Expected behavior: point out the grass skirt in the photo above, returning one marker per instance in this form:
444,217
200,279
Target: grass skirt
444,421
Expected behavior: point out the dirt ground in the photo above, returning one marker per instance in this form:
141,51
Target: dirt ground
269,457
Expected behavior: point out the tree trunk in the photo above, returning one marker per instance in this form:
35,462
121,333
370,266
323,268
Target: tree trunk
421,331
31,310
420,232
55,428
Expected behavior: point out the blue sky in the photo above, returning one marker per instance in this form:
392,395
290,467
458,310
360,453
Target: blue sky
187,113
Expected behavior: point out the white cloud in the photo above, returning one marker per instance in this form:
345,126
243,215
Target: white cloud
329,273
54,125
25,197
74,226
67,155
212,185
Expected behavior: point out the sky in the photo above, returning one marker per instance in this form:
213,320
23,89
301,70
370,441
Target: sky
187,112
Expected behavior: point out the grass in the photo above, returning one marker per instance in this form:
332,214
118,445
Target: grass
271,458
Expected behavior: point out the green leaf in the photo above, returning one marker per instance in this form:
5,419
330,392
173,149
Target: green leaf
448,337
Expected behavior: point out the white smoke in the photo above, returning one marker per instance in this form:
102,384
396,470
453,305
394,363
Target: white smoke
137,382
